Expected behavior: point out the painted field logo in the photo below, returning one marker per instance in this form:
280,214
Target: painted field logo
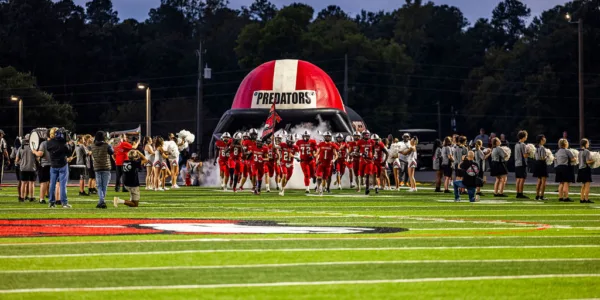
91,227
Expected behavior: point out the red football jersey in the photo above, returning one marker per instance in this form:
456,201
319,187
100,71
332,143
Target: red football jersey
236,152
378,152
258,154
248,145
353,149
366,148
326,150
343,150
307,149
271,153
288,152
223,149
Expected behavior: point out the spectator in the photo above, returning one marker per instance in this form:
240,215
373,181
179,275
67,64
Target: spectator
120,155
485,139
27,164
403,151
565,136
101,152
470,171
4,159
131,181
59,169
44,170
492,137
503,141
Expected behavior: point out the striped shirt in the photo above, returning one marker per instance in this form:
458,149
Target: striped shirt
540,153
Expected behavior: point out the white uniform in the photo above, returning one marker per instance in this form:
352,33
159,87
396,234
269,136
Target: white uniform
411,159
149,157
395,151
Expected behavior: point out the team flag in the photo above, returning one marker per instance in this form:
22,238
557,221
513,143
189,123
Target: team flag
272,120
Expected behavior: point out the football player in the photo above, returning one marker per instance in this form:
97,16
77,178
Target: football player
366,145
380,155
308,149
259,156
289,152
355,159
341,163
223,159
248,143
327,155
236,160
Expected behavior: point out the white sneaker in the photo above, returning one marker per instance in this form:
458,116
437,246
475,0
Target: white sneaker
160,189
166,188
340,187
67,206
321,192
281,193
411,190
268,190
175,186
116,201
352,185
307,191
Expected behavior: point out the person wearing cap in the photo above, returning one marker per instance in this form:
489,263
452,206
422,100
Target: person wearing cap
3,155
27,163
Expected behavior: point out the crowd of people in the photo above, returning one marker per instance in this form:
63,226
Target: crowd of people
90,159
367,159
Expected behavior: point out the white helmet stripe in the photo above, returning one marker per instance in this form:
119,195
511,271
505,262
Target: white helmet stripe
285,75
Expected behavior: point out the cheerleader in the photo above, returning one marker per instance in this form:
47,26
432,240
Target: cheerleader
149,154
540,168
385,166
521,157
498,168
160,167
584,175
394,157
447,160
480,159
437,165
564,172
411,160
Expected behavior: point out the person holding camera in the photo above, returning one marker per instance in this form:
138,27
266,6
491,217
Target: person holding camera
59,169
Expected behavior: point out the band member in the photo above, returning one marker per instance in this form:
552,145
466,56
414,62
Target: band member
521,157
498,168
44,171
584,174
259,156
289,152
308,149
380,155
4,158
223,146
480,159
27,163
437,165
236,159
327,154
447,161
342,161
365,146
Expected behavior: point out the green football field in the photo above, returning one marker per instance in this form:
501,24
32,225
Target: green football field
395,245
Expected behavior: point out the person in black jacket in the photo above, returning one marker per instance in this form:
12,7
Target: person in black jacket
59,169
470,172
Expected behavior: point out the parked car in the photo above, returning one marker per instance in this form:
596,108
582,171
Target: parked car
427,138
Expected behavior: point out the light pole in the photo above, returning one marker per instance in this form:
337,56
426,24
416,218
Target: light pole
581,90
143,86
18,99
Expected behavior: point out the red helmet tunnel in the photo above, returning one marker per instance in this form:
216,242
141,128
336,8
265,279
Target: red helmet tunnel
301,91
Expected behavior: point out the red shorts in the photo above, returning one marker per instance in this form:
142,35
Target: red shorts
224,166
355,163
324,169
270,168
258,170
237,166
365,168
340,167
377,168
287,171
247,168
308,168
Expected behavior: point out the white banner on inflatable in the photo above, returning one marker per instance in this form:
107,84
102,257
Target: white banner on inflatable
303,99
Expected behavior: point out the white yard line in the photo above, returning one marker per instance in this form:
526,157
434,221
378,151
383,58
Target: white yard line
286,284
292,250
215,240
334,263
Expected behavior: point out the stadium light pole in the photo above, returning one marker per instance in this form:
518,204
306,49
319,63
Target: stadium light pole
18,99
579,23
143,86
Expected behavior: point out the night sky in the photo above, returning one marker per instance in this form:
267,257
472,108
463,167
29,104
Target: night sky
472,9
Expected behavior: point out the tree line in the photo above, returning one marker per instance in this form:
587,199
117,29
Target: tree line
78,66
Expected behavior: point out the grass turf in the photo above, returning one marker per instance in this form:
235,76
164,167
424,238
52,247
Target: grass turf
499,248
